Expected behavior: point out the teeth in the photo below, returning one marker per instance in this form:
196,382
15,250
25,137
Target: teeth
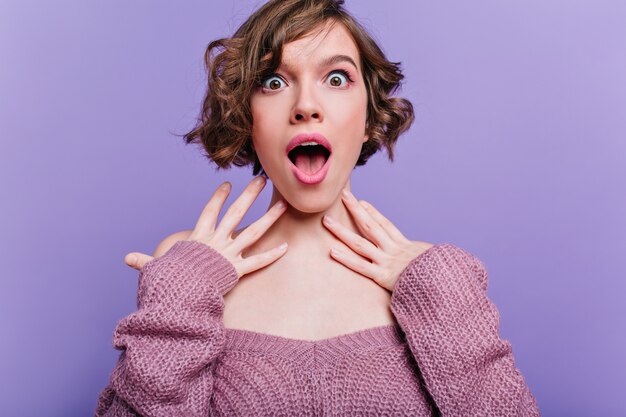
308,143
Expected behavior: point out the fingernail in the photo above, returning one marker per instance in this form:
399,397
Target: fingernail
346,193
132,259
259,179
283,246
365,204
225,186
328,220
335,252
280,204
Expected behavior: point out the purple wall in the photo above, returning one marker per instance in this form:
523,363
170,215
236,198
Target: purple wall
518,154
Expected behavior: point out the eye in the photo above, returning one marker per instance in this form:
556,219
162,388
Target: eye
339,78
273,82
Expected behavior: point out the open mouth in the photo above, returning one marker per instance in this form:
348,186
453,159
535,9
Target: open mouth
309,157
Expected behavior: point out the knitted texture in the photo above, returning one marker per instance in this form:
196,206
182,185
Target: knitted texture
444,355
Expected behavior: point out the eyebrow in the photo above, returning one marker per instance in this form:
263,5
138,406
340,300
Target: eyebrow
331,60
335,59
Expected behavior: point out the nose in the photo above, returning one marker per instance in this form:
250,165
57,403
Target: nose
306,107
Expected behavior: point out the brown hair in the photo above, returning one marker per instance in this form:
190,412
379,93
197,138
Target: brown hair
225,123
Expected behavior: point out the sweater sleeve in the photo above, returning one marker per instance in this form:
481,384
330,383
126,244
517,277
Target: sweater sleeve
452,330
169,344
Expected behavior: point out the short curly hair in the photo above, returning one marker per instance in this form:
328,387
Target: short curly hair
237,65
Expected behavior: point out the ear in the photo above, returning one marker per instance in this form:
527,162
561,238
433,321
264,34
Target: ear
366,136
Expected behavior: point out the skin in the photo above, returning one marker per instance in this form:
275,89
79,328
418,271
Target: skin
312,98
306,97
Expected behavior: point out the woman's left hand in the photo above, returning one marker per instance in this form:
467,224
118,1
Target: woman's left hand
384,254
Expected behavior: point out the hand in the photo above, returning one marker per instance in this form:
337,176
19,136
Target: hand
384,254
220,238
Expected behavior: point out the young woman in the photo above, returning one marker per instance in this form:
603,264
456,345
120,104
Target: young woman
351,318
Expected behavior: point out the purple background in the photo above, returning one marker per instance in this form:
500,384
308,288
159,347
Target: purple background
518,155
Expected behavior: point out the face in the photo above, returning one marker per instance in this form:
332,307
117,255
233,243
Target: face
316,94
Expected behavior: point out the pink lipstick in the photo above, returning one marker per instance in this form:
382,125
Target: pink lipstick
309,156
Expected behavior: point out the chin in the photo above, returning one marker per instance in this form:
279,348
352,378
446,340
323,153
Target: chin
311,203
310,207
309,199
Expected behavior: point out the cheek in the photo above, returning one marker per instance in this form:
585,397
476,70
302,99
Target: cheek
351,117
351,112
267,113
260,122
266,134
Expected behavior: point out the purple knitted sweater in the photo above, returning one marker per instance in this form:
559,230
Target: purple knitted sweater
444,356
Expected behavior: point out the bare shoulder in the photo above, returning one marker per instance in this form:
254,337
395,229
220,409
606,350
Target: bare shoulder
169,241
423,246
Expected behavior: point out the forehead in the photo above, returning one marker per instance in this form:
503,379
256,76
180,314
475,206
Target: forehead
322,42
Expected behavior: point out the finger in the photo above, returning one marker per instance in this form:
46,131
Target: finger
357,243
208,217
253,232
365,222
356,263
240,207
385,223
137,260
252,263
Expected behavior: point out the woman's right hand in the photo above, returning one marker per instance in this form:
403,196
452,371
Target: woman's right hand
220,237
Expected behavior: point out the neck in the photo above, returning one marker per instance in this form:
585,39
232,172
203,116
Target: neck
305,231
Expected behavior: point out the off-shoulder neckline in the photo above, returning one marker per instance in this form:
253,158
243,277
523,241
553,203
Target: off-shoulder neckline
310,352
332,347
367,333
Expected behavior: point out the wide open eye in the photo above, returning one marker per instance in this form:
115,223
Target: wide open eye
273,82
338,78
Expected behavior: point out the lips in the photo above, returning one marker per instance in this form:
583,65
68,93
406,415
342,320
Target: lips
309,155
